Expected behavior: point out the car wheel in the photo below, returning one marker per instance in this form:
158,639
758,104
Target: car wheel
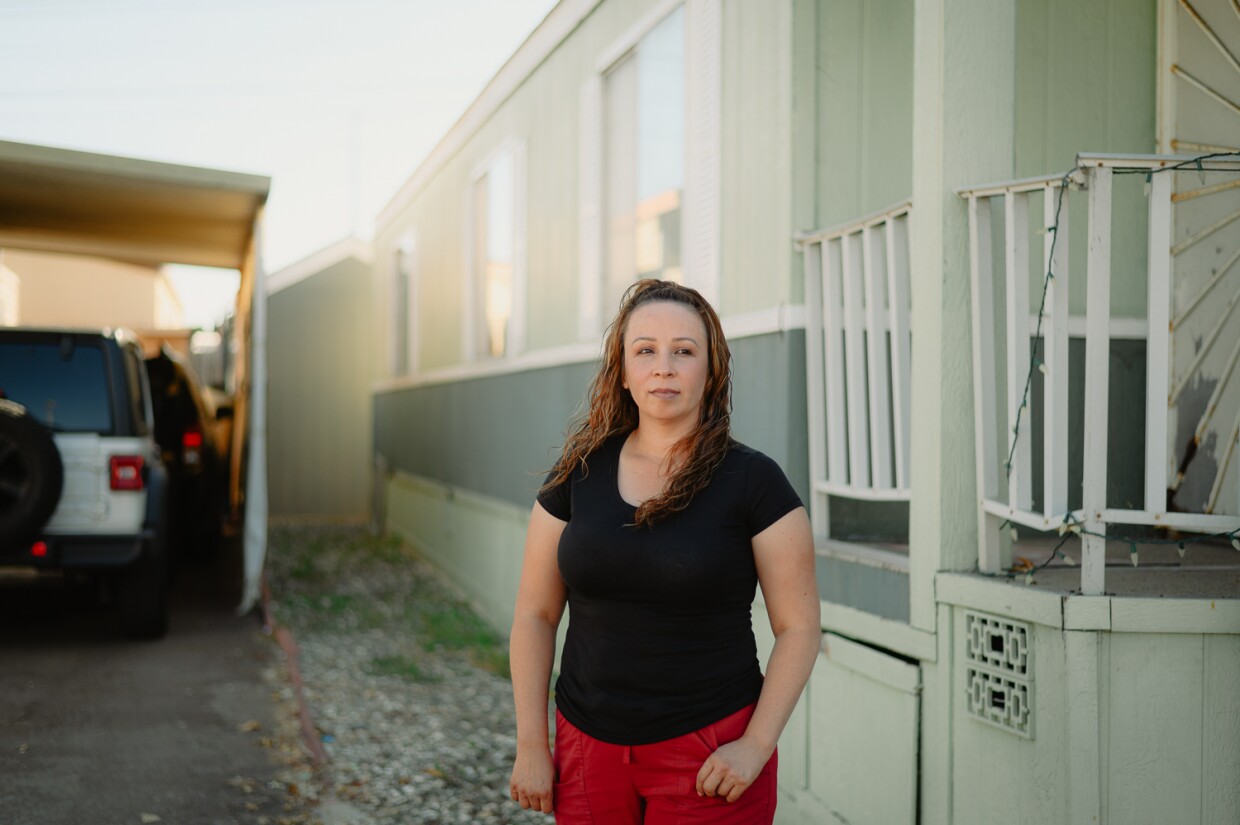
31,474
142,594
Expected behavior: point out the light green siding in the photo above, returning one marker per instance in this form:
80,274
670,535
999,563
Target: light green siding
1085,82
755,236
1138,727
475,540
996,772
318,360
865,107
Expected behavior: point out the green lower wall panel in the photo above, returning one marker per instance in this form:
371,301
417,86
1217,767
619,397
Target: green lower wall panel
495,436
875,590
498,435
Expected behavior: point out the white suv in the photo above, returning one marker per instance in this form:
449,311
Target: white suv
82,484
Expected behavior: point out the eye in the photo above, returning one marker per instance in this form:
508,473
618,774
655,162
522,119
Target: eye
684,351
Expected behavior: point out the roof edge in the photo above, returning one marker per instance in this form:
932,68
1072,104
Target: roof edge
120,166
314,263
559,23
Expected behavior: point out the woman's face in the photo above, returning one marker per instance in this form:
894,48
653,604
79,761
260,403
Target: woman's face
666,362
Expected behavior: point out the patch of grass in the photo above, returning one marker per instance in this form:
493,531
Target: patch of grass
389,549
304,569
336,611
344,579
456,627
402,666
492,660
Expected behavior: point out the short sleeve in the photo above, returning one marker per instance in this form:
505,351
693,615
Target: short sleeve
558,500
770,494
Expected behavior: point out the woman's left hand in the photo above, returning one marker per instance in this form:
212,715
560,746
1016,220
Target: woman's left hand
731,769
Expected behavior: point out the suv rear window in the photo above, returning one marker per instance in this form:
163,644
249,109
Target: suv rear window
62,384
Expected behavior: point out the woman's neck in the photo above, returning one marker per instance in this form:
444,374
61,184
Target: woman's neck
653,442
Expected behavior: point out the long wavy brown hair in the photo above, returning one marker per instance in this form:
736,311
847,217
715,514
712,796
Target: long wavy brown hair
612,411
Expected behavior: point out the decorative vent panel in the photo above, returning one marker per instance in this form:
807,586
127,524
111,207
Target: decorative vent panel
999,672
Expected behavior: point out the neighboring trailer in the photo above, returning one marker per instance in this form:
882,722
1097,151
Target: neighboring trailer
319,457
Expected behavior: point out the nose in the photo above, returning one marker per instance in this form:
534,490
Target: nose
663,365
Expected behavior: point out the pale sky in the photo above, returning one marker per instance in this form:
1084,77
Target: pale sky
338,102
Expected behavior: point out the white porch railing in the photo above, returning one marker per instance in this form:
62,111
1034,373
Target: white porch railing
857,347
1165,375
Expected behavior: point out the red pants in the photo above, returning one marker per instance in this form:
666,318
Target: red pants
602,784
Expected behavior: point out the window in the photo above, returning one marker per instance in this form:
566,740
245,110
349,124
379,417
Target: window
63,384
403,290
139,392
649,159
644,160
493,254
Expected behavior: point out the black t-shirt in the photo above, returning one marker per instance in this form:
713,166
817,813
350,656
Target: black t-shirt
660,641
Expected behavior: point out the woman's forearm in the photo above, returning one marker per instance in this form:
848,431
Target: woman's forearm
531,653
787,671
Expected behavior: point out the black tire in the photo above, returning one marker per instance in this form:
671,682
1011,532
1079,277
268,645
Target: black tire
142,594
31,475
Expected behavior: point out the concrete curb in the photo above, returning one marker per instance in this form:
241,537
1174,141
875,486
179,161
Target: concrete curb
309,734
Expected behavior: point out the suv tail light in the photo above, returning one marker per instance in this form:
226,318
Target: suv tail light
126,472
191,446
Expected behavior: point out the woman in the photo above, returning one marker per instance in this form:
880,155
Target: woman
654,526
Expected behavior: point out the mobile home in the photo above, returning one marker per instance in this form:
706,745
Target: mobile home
977,262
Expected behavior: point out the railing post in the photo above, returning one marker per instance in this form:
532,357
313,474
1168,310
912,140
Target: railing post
1097,380
1016,225
833,354
1055,340
814,366
854,352
1159,343
878,369
981,272
901,346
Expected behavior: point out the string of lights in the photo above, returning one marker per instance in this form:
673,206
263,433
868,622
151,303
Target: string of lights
1070,525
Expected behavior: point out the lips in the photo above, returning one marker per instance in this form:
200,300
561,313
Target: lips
665,394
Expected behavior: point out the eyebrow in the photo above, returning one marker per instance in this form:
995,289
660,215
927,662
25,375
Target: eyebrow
649,338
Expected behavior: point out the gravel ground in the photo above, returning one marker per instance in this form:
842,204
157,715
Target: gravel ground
408,688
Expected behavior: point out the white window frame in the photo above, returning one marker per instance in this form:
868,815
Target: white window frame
700,221
514,148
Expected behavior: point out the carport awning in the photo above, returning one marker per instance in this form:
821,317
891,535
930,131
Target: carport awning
59,200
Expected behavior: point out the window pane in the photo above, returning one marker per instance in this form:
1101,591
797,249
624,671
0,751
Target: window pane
661,109
497,277
400,312
494,250
645,149
64,387
621,178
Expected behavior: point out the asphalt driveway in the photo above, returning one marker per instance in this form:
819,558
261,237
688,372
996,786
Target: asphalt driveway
189,729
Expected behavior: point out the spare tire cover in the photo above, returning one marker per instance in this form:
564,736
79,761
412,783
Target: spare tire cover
31,475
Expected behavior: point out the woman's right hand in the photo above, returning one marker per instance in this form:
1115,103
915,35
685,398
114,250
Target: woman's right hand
532,778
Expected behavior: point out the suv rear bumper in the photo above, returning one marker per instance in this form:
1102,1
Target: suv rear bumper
79,551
